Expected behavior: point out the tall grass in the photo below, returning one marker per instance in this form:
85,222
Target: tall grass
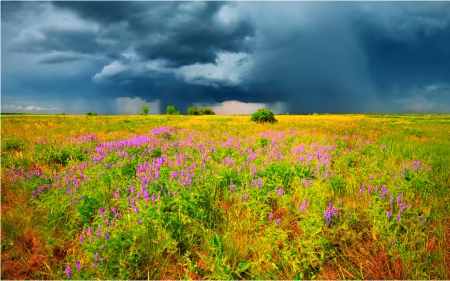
177,197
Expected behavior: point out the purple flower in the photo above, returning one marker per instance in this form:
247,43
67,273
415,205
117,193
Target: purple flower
327,215
102,260
303,206
232,188
96,256
82,239
78,265
398,218
391,200
245,197
259,182
384,191
399,199
270,217
279,191
99,234
277,221
95,264
69,274
106,236
389,214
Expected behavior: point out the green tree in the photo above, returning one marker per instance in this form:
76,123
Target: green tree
91,113
263,115
193,110
145,110
206,111
171,110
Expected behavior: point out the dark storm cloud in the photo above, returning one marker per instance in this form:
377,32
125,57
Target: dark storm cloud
314,56
60,57
182,33
55,39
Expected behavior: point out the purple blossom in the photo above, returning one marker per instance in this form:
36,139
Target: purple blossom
95,264
398,218
270,217
303,206
245,197
399,199
96,256
102,260
99,234
259,182
384,191
69,274
327,215
82,239
391,200
106,236
232,188
279,191
277,221
78,267
389,214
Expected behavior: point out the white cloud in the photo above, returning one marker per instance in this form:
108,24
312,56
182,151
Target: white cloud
431,88
229,70
236,107
28,108
126,105
130,67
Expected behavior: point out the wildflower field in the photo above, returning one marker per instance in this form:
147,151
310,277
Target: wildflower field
220,197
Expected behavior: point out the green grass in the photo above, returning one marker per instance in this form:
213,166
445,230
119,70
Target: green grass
208,197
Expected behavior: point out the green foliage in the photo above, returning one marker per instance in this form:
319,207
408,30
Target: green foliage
13,144
90,113
263,115
145,110
184,201
193,110
171,110
206,111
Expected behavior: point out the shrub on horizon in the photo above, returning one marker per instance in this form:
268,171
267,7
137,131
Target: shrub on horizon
263,115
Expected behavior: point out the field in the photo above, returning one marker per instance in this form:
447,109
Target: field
219,197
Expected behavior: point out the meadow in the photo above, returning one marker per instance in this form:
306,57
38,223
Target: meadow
219,197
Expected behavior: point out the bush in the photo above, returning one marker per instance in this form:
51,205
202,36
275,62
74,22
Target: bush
206,111
171,110
264,115
193,110
145,110
91,113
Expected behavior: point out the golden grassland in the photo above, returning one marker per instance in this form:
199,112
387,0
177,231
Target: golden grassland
356,253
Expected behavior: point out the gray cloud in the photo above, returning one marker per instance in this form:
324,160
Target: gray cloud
60,57
313,56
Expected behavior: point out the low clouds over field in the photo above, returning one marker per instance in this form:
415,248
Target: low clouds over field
300,57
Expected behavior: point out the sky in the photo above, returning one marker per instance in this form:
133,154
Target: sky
234,57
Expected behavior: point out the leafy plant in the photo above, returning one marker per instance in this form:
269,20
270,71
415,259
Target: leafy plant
263,115
193,110
171,110
145,110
